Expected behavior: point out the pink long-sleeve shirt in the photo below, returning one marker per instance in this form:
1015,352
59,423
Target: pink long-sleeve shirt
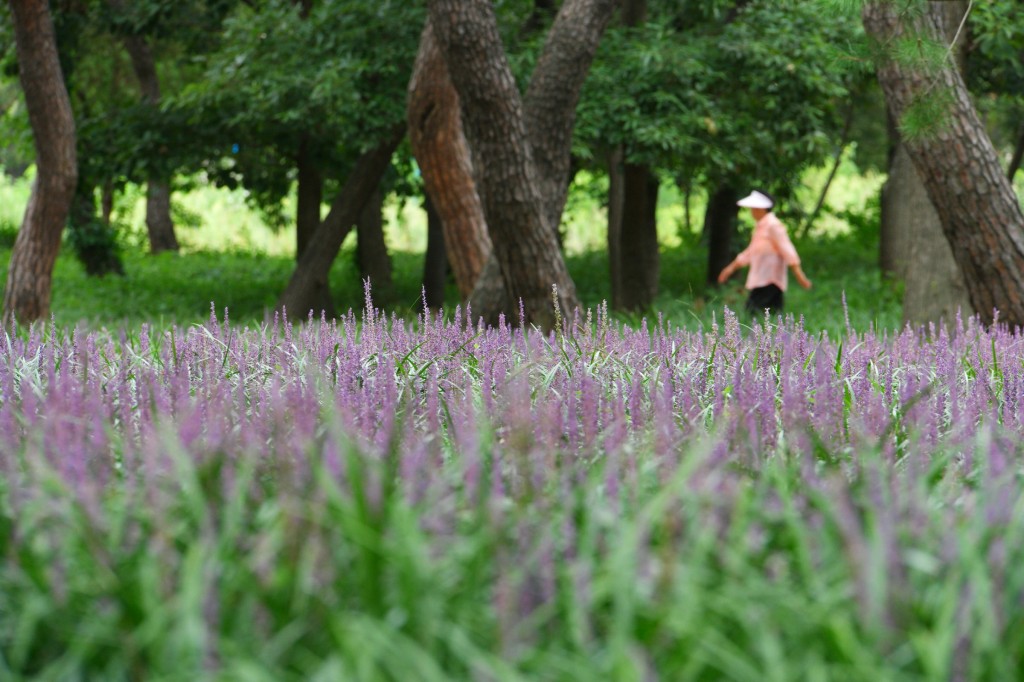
769,254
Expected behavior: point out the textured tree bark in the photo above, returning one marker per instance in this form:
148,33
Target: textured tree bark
720,228
519,194
307,289
554,91
977,207
372,251
441,150
310,194
640,260
158,192
435,261
29,276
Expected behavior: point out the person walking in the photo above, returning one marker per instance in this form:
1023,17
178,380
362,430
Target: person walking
769,254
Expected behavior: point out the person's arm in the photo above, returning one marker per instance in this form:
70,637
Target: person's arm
801,278
729,269
785,248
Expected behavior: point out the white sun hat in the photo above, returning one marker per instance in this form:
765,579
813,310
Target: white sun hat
755,200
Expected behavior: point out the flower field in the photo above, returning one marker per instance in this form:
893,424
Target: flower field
366,499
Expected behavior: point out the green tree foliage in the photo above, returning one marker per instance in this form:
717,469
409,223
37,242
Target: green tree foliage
710,90
337,75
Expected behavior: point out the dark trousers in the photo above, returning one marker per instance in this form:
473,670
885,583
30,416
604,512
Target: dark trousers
769,297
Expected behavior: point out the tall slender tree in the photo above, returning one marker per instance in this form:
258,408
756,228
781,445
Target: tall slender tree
634,259
159,223
29,277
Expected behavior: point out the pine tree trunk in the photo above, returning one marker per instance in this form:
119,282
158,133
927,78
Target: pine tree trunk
978,210
492,113
158,193
435,261
29,276
720,229
639,257
443,155
310,193
372,251
934,287
307,290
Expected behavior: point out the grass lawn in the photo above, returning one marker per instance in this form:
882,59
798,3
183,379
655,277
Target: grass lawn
172,288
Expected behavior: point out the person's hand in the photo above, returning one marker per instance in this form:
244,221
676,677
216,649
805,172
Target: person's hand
726,273
804,282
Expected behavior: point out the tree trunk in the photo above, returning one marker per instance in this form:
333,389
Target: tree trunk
158,193
307,289
435,262
441,150
29,277
372,251
616,200
519,194
640,259
550,102
720,228
310,194
934,287
492,112
158,217
978,210
632,226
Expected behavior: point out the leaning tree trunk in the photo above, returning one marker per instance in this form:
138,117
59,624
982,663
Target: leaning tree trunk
372,251
978,210
307,289
29,277
639,258
912,247
720,229
158,190
443,155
